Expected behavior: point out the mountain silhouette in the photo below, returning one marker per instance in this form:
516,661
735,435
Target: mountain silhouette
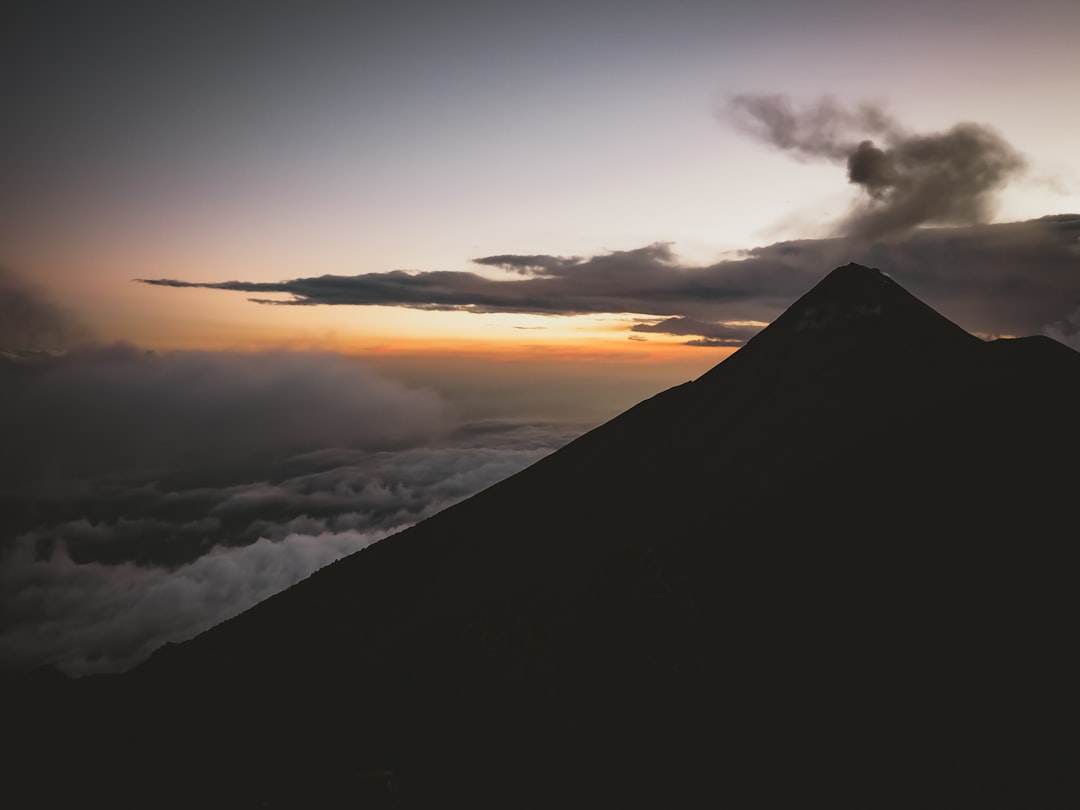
839,567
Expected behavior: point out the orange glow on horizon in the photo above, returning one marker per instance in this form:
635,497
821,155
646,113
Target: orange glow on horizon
217,336
166,319
211,320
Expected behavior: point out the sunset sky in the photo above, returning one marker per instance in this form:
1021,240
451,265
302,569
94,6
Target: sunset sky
591,201
273,140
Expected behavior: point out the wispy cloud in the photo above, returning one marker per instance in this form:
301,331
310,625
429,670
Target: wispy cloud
707,333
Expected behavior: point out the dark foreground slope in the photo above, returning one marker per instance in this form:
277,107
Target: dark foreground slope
839,568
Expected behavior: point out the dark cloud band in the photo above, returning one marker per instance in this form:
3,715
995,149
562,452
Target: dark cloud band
1011,278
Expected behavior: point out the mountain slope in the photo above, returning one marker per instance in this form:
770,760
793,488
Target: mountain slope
836,567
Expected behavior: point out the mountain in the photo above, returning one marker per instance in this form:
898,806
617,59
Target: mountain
838,568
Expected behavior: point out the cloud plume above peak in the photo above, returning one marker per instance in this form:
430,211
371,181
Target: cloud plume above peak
908,180
825,129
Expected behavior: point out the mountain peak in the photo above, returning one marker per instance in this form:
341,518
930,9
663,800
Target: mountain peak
862,302
848,293
854,270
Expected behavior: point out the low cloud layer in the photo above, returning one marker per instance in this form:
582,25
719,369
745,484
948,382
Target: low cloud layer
146,497
1010,278
105,570
93,617
907,179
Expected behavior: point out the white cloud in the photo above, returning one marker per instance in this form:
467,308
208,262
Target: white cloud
158,565
92,617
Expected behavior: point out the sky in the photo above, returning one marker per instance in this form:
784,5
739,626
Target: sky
278,278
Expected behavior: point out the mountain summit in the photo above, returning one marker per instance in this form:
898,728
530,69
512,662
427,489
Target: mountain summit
831,569
864,304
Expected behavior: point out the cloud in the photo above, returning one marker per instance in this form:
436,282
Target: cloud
536,264
98,583
92,617
1066,330
172,519
824,129
709,343
711,333
117,409
647,280
1009,278
1001,279
604,283
30,320
946,178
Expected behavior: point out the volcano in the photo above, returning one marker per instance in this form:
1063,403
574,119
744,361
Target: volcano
839,567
